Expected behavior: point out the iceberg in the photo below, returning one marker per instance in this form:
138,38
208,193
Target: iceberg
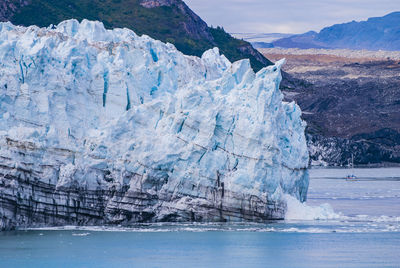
107,127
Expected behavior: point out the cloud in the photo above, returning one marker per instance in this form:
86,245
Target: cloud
287,16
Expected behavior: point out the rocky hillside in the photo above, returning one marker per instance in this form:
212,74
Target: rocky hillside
381,33
351,103
166,20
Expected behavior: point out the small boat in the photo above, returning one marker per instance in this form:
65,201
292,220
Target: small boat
351,177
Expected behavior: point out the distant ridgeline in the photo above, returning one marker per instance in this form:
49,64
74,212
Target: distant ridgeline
380,33
166,20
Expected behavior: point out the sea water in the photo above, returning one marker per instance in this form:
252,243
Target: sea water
344,224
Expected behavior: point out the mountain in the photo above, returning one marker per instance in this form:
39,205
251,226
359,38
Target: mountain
380,33
166,20
107,127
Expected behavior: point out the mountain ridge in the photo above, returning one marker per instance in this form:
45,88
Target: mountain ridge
376,33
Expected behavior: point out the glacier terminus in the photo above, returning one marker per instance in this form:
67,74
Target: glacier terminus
103,127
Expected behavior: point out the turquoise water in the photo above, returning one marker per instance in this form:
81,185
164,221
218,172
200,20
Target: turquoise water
198,249
364,231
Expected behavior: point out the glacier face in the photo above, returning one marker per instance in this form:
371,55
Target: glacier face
106,127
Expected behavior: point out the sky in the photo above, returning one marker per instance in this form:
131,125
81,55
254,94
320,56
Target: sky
287,16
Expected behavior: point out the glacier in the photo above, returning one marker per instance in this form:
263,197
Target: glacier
104,127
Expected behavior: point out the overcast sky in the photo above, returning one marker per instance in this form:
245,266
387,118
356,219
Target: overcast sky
287,16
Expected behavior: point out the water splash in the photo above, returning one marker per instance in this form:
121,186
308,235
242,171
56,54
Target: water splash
301,211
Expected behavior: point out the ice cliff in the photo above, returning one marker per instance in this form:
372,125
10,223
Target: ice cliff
106,127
